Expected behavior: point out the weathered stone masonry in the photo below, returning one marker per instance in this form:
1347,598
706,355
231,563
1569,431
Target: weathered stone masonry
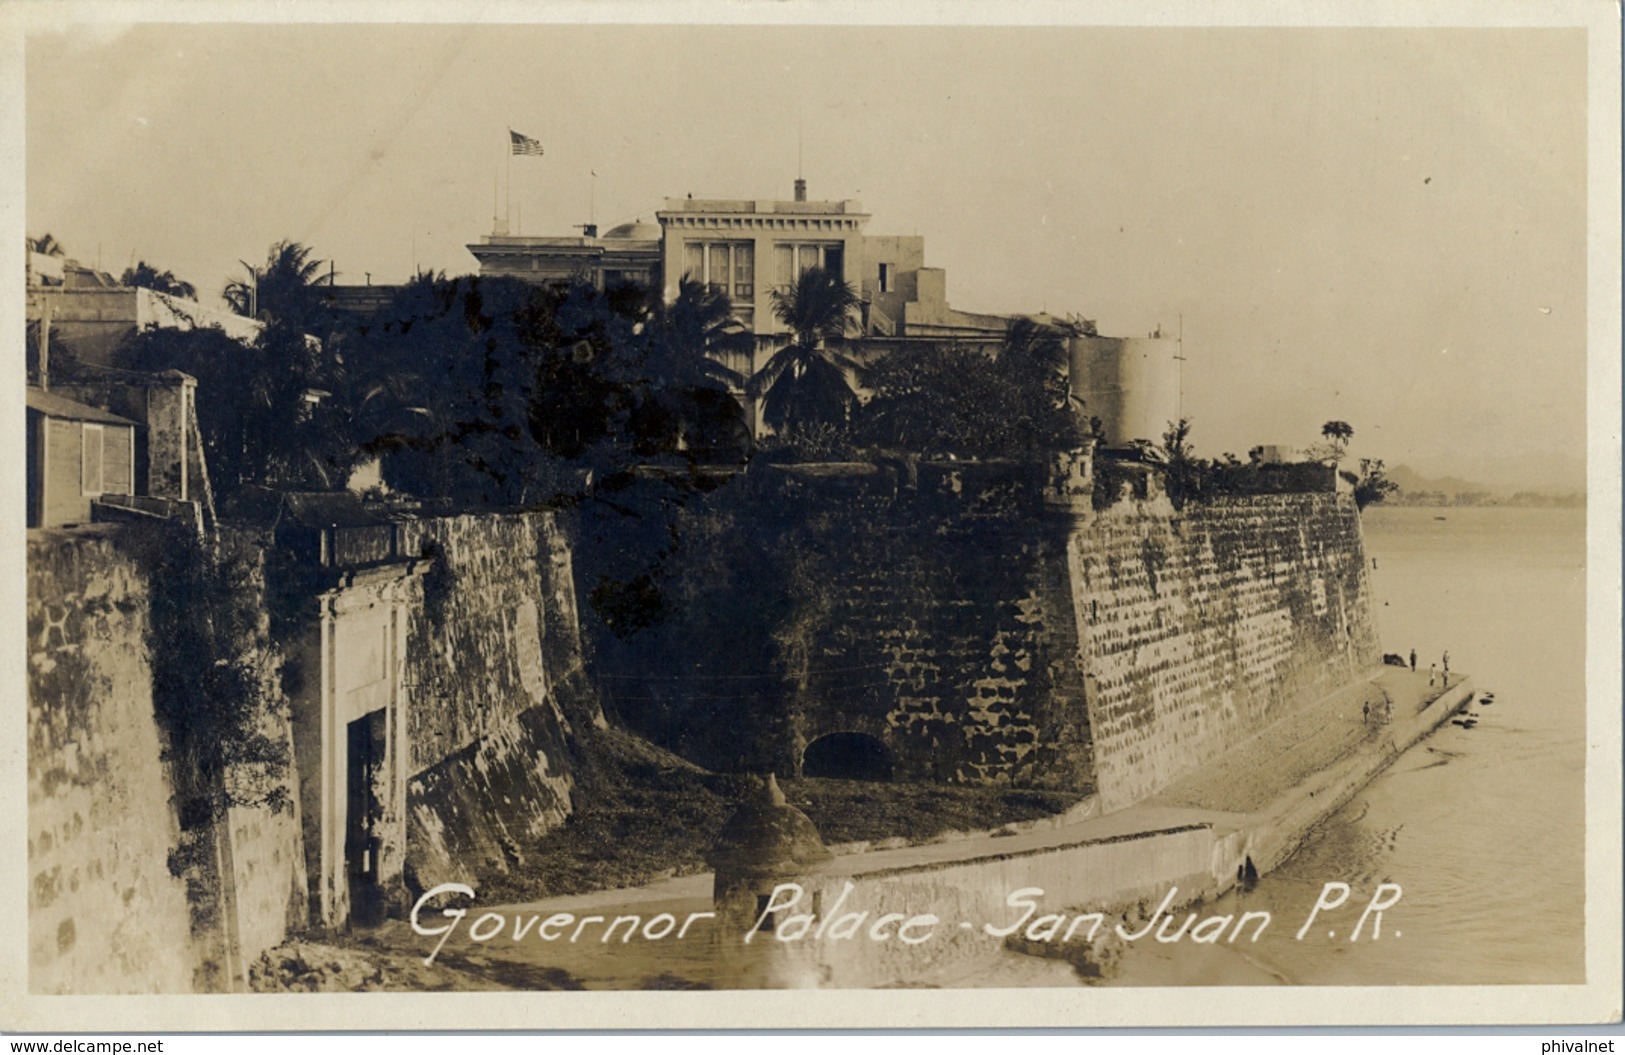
105,912
493,661
947,633
979,636
487,668
94,771
1198,628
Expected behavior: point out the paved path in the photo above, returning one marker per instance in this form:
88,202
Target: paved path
1256,773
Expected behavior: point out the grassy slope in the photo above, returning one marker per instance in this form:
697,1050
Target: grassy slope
644,814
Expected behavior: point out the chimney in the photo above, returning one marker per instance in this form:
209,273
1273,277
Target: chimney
801,189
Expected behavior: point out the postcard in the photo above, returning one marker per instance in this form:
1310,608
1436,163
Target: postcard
787,516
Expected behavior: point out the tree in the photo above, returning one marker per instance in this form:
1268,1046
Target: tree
1033,349
281,289
1337,435
1034,359
954,399
938,399
438,385
265,408
1185,472
590,368
684,399
146,276
45,245
1371,484
807,381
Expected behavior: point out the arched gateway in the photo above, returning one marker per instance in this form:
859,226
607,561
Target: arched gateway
847,756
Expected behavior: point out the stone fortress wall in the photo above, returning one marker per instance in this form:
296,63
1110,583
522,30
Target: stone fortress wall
1197,629
943,611
103,908
982,637
489,669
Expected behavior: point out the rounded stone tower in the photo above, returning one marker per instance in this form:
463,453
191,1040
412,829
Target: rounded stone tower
1130,383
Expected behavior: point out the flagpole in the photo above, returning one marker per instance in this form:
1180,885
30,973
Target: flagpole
507,203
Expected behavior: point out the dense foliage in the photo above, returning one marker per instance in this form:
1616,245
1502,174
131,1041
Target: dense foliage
1371,483
493,392
262,407
1190,478
807,382
146,276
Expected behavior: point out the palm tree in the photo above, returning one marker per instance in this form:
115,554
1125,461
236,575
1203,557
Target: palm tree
1032,349
45,245
688,336
146,276
1336,435
281,289
687,386
807,381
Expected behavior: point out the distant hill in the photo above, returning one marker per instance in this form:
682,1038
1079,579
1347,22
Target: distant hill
1409,479
1416,489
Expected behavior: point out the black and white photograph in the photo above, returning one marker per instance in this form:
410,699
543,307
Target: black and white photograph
769,515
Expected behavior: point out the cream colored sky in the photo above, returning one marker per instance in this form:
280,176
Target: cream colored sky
1385,226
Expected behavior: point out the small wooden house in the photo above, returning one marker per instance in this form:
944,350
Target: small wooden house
76,453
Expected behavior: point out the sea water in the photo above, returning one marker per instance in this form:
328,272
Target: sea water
1483,828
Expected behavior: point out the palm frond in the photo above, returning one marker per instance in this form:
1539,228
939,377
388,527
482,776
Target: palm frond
768,376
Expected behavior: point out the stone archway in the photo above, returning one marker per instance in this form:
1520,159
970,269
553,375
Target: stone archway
847,756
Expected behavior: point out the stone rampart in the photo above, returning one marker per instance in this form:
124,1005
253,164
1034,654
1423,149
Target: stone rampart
947,621
103,910
1197,629
492,660
113,905
130,893
943,628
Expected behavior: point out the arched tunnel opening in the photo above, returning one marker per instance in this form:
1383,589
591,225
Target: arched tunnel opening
847,756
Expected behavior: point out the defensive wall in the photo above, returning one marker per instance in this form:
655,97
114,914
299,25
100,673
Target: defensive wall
475,687
109,885
1200,627
959,626
495,666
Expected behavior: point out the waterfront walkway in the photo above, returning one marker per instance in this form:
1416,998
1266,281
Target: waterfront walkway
1287,754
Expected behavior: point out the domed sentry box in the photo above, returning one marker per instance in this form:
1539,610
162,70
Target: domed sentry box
766,842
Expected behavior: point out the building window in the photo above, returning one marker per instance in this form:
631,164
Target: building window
792,260
727,267
885,278
90,465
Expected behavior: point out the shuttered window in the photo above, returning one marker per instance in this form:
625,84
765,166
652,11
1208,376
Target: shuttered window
90,460
117,461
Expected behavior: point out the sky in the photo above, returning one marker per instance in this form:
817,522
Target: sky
1381,226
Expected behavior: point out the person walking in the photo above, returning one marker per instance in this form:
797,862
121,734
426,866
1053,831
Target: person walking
1433,672
1413,661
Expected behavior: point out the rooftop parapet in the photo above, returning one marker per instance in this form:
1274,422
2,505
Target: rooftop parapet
846,207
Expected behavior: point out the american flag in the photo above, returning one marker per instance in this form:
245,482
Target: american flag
524,145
